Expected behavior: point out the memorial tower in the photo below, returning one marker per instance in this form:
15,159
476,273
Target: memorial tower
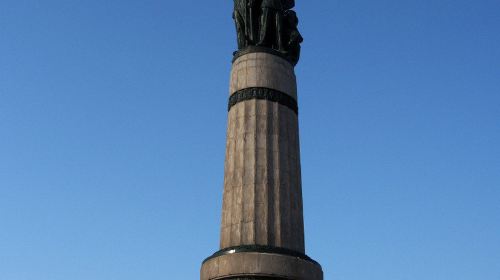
262,230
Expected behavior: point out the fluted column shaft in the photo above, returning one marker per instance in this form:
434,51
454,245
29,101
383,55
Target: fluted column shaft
262,185
262,229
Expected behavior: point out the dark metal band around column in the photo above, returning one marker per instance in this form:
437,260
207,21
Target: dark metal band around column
263,94
262,249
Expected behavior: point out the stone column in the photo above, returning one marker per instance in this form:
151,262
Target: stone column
262,232
262,196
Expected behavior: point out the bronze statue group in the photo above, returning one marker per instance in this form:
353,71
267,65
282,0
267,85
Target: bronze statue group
268,23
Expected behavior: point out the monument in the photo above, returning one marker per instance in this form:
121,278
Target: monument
262,230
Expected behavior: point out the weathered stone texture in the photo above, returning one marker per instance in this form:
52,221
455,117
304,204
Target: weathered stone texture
263,70
262,183
262,200
260,266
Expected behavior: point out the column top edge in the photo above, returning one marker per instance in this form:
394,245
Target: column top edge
258,49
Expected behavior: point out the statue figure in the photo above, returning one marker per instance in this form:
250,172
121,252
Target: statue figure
268,23
251,23
271,24
244,15
239,16
292,35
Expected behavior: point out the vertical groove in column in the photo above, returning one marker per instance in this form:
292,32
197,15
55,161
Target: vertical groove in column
237,182
232,180
288,200
296,229
255,218
246,157
270,152
300,210
293,182
227,193
261,189
228,196
226,239
295,187
250,185
277,179
284,178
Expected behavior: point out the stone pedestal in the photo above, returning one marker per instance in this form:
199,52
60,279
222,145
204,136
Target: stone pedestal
262,231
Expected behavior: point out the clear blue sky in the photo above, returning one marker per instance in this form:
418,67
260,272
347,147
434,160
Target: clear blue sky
112,133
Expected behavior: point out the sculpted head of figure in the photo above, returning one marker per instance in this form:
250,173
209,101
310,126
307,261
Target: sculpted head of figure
288,4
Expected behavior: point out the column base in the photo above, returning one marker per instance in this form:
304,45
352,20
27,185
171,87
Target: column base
262,263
